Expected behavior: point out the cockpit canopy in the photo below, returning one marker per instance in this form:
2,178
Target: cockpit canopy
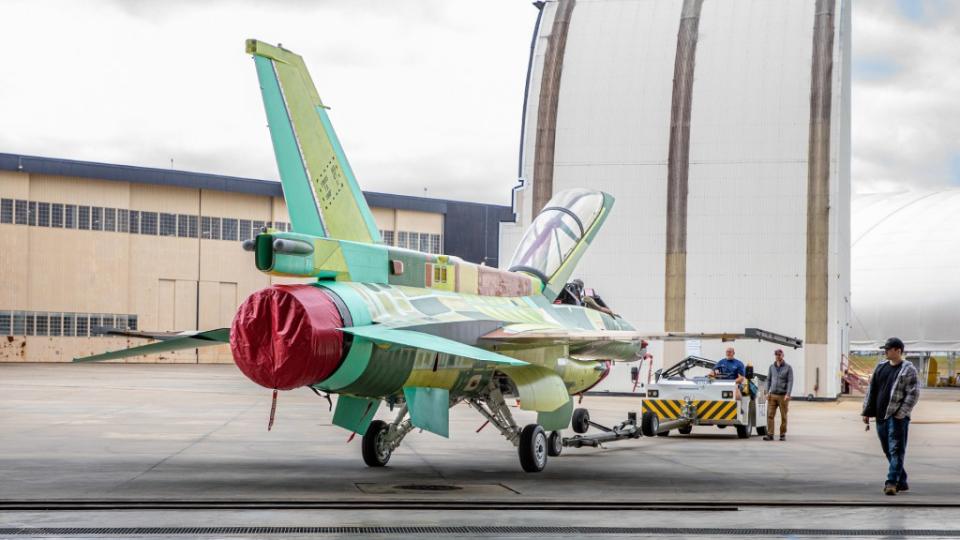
556,232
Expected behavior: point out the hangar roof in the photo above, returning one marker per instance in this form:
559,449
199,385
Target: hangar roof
195,180
904,262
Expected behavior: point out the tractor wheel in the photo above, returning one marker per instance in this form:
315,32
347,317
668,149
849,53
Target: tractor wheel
649,423
744,432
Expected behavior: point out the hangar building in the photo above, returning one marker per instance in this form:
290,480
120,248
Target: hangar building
723,130
85,245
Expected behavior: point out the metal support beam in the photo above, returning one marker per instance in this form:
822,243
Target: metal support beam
678,164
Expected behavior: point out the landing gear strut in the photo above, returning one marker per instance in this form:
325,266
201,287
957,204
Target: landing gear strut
531,441
381,439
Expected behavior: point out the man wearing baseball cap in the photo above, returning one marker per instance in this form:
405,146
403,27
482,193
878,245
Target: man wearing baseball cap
894,391
779,387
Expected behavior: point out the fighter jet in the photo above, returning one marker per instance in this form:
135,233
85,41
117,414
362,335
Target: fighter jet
383,326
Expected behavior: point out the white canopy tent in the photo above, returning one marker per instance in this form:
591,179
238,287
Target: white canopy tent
905,270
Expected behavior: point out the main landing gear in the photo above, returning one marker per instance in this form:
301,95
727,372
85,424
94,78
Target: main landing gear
533,444
381,439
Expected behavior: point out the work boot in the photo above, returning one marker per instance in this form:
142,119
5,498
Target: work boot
889,489
783,437
902,487
768,437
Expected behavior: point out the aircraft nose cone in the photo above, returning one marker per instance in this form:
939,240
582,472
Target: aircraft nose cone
286,336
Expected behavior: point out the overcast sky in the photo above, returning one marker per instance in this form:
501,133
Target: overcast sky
425,94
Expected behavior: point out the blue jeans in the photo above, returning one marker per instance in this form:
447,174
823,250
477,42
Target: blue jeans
893,440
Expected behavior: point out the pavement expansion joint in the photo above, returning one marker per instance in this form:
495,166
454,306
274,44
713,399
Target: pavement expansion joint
455,530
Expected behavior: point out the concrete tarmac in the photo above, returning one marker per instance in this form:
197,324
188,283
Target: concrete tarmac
172,434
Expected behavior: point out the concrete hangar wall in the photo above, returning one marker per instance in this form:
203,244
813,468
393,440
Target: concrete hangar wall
723,130
90,244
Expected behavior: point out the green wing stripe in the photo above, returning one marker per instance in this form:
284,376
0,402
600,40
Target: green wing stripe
301,202
348,172
202,339
381,334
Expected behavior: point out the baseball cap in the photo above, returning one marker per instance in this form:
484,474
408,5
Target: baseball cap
893,343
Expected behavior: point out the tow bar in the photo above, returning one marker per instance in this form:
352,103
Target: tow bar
627,429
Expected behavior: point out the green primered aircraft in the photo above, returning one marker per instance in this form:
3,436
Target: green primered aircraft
415,331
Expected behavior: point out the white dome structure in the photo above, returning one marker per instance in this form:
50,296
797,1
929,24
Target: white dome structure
904,270
722,128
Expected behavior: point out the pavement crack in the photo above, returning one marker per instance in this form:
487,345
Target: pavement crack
189,446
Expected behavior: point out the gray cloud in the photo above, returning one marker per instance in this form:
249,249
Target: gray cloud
906,117
423,93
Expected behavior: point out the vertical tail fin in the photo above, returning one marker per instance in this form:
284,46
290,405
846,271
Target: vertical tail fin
322,194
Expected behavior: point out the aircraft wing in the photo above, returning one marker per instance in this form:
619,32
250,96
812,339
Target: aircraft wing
189,341
392,336
526,334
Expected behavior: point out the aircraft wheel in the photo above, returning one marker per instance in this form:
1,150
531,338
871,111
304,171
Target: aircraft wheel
375,452
554,444
649,423
685,430
581,420
533,448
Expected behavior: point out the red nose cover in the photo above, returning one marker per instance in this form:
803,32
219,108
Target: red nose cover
285,336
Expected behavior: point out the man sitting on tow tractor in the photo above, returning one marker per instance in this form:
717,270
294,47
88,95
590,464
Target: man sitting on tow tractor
729,368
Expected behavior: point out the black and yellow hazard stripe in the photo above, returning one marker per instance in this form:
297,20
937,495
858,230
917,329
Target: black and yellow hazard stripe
665,409
716,409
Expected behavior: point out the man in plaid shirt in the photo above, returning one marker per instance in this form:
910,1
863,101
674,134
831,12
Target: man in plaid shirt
893,392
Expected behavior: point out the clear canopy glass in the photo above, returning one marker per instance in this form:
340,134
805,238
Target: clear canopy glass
556,231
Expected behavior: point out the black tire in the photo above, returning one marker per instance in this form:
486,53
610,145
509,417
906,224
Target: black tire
533,448
685,430
762,431
721,426
664,433
744,432
373,453
581,420
554,444
649,423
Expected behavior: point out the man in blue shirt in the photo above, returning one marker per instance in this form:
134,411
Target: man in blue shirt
729,368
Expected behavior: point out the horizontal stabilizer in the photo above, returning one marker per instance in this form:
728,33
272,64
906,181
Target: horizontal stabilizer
382,334
187,341
162,336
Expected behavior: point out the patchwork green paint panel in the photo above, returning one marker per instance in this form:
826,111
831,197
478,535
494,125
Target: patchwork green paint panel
556,420
429,409
354,413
